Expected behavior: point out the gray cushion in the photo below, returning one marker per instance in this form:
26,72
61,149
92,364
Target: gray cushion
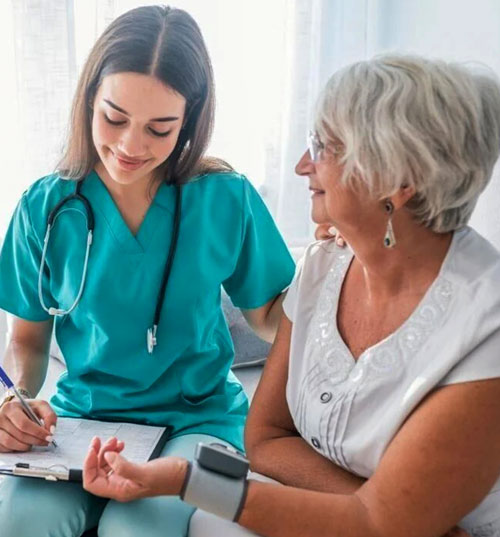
249,349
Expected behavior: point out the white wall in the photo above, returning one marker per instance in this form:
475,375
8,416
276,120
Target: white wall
461,30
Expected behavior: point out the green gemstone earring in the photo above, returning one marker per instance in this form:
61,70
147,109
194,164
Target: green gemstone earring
389,238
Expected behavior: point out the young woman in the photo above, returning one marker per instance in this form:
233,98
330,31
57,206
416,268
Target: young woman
125,250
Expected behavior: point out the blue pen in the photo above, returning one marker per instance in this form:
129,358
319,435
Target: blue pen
5,380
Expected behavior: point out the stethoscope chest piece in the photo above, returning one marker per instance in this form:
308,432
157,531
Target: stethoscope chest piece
151,339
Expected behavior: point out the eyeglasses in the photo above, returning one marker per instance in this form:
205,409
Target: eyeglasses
315,146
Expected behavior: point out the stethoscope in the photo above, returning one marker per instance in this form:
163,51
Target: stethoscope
151,338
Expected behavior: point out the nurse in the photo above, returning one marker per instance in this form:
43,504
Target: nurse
130,273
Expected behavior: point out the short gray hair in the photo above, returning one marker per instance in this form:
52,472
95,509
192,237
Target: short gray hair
405,120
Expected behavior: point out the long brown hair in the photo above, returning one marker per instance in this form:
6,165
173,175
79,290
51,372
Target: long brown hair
163,42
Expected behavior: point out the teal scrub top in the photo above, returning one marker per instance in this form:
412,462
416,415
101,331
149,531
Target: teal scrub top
227,237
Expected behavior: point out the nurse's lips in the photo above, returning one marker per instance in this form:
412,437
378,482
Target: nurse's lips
127,163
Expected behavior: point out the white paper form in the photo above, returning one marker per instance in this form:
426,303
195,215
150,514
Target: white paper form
73,437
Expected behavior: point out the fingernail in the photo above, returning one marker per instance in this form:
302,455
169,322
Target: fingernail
49,438
332,231
52,429
340,241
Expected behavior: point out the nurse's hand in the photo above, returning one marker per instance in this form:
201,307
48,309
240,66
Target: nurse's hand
326,231
108,474
18,432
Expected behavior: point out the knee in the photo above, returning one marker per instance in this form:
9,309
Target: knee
156,517
20,520
34,507
17,514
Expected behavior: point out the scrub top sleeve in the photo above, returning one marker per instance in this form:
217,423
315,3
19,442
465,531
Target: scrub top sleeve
19,266
264,266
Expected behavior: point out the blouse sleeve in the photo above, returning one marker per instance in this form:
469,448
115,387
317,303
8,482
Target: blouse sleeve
480,357
20,259
481,363
290,302
264,266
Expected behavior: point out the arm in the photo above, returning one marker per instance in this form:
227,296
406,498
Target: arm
26,361
264,321
440,465
27,354
270,432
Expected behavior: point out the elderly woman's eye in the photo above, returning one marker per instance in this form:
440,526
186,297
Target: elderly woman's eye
337,149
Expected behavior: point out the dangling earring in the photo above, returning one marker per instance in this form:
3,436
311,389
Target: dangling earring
389,238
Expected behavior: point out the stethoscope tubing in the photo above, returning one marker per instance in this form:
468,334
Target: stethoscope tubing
151,340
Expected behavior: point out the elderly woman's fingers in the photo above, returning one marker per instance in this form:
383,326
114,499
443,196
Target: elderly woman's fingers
109,445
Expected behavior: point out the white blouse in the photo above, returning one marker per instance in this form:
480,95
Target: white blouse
349,410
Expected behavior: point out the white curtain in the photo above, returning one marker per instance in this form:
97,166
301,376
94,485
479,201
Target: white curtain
271,57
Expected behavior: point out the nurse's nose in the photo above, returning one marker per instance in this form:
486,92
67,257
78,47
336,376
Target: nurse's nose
305,165
132,143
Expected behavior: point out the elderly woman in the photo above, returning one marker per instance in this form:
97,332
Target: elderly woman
378,411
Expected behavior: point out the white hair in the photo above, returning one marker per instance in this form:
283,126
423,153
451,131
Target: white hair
410,121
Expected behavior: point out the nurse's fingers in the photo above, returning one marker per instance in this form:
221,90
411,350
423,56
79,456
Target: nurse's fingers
44,411
327,232
14,439
8,443
14,420
322,232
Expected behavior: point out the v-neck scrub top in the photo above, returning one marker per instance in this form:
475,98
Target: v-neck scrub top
227,237
349,410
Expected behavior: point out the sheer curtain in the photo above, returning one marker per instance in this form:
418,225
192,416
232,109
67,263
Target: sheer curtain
270,59
249,43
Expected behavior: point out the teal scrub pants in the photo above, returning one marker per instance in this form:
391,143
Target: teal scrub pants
34,507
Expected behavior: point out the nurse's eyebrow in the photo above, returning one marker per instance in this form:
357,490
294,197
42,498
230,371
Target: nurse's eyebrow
116,107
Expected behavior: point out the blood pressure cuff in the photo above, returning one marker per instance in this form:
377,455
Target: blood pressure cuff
213,492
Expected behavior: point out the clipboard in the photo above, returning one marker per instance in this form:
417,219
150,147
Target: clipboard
73,435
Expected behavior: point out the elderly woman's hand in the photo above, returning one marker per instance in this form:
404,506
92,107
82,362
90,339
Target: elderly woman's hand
106,473
327,231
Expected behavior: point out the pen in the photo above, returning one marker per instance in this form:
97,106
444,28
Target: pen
5,380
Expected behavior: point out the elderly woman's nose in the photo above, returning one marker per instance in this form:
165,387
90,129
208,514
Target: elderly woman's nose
305,165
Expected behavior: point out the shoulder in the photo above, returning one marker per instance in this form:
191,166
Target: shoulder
222,181
230,190
43,195
475,265
320,258
47,190
323,255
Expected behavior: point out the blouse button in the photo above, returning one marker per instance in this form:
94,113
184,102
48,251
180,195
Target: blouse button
326,397
315,442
